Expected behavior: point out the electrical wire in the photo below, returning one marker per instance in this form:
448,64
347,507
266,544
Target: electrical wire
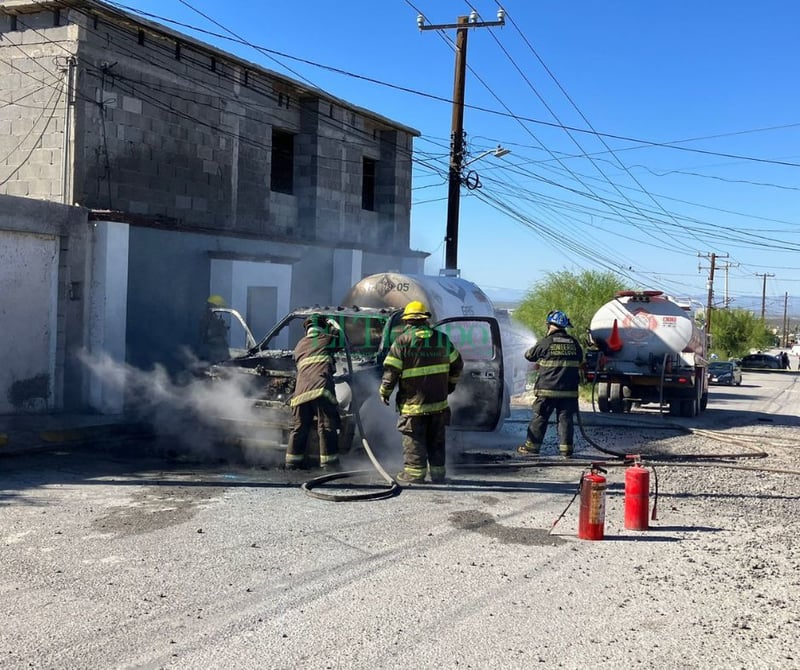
28,134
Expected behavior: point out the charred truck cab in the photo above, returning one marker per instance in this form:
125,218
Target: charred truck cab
268,371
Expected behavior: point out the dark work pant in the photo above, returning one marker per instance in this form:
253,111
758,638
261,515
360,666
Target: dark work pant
327,422
565,408
424,443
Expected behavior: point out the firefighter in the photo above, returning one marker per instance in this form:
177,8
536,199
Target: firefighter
314,395
558,358
213,332
425,367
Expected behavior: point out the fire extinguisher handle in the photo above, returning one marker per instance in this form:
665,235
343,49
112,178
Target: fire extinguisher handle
598,468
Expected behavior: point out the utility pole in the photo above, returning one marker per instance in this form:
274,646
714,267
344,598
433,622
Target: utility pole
785,324
764,292
727,300
710,301
464,23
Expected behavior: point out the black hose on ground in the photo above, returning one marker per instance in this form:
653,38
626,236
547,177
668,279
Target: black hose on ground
392,490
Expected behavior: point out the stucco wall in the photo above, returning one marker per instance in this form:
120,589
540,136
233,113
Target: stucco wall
28,277
43,275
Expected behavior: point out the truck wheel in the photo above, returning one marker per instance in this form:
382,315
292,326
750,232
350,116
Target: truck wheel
689,407
676,408
615,398
703,402
602,397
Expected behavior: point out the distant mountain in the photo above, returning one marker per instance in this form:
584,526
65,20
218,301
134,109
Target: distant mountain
507,298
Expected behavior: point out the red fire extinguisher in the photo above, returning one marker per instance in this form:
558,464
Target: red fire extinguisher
592,515
637,496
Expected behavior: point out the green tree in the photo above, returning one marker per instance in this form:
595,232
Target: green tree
579,296
735,331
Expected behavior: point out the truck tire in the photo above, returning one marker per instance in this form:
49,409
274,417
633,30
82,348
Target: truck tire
602,397
615,401
703,402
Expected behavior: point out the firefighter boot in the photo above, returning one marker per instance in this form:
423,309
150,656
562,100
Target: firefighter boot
528,449
565,450
407,478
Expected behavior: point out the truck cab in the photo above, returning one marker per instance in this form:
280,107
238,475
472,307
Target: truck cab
267,372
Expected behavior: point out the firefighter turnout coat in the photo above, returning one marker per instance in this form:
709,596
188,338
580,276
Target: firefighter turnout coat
560,358
315,367
425,366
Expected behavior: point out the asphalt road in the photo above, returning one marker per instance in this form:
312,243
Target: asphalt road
142,556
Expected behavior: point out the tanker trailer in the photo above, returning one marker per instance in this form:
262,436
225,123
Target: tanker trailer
647,348
445,296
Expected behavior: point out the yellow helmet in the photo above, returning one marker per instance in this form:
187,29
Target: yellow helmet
415,310
216,300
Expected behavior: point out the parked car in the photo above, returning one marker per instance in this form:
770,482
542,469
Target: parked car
761,362
725,372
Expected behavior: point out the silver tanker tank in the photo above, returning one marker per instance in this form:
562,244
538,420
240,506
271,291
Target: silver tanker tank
444,296
646,322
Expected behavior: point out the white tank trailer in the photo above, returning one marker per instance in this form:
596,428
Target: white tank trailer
647,348
447,296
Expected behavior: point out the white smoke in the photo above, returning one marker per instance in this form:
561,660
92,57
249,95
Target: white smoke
207,418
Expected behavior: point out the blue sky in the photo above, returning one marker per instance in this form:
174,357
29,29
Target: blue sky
644,136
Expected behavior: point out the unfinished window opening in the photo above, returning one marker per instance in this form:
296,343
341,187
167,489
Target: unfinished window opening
282,175
177,50
12,22
213,64
246,77
56,17
368,184
140,37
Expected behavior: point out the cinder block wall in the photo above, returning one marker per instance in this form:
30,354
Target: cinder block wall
169,130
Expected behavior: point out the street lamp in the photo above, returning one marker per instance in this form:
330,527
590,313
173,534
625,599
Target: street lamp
497,152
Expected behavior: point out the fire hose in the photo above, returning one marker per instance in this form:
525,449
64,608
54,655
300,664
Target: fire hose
392,490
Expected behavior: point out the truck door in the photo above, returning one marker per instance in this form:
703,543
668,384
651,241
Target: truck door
477,402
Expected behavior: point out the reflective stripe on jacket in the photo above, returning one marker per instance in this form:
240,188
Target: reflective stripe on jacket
315,367
560,358
425,366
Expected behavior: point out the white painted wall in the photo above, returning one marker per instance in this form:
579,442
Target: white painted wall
28,310
108,313
232,278
347,270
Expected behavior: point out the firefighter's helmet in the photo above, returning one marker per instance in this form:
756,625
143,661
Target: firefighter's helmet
415,311
559,319
216,301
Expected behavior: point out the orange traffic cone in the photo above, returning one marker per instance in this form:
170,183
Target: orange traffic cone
615,341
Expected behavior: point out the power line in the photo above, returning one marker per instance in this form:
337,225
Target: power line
643,143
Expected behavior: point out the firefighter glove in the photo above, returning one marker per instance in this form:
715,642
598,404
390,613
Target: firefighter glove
334,325
384,398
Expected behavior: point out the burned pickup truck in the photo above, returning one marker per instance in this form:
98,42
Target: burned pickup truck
267,372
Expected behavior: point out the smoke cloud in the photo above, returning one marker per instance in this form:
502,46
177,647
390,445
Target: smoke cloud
208,418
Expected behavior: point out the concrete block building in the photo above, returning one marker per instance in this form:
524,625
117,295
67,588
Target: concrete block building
205,173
